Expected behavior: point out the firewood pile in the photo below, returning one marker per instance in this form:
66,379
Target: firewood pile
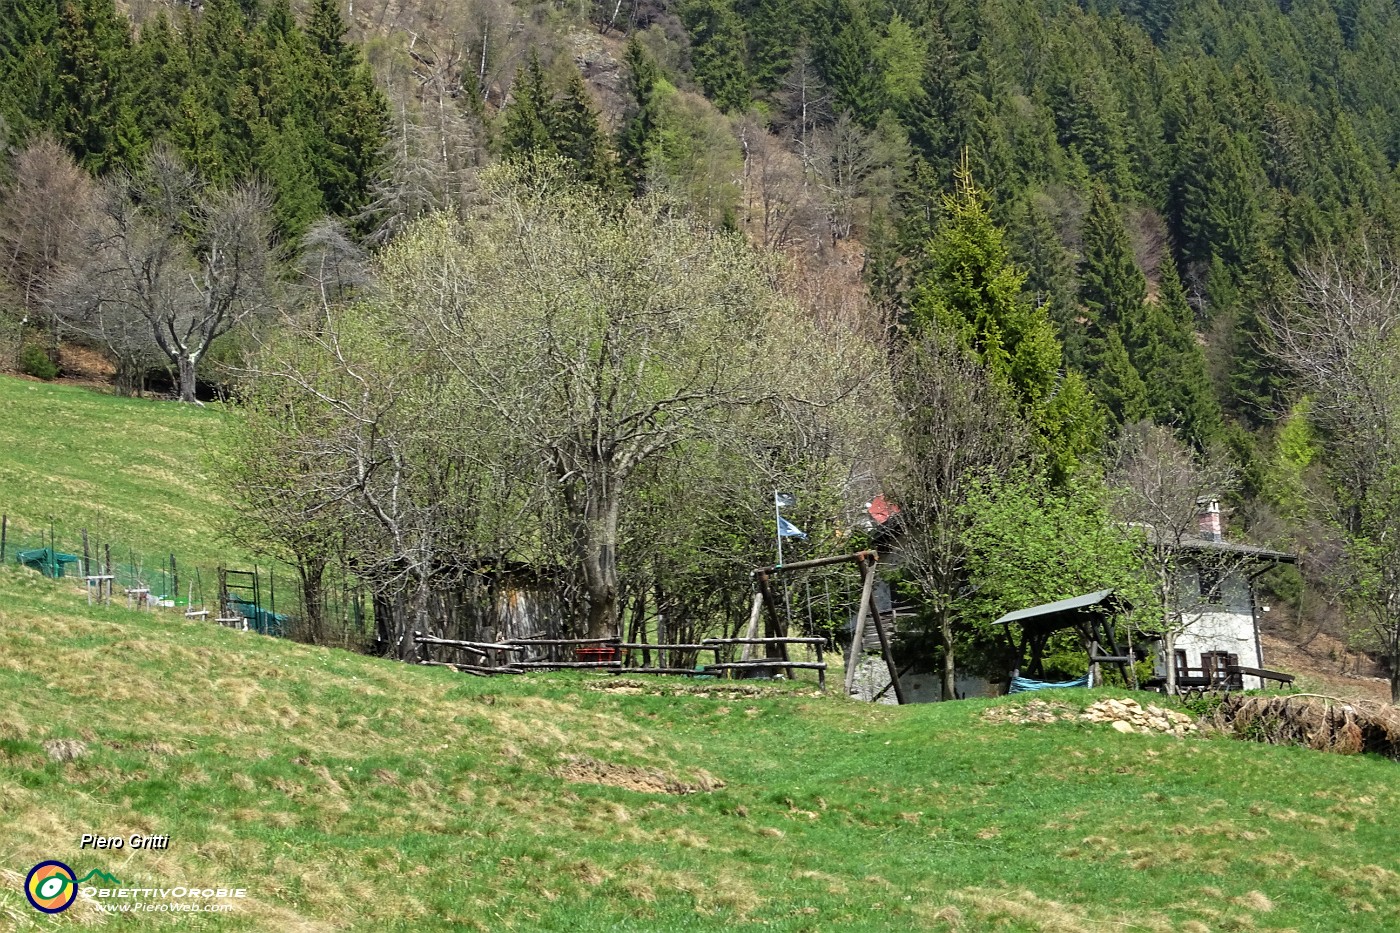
1314,721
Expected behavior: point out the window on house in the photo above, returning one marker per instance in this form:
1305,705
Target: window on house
1210,580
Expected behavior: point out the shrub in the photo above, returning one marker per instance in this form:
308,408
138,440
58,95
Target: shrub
33,361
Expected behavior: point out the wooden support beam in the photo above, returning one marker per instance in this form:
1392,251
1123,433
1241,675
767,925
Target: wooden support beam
657,670
866,595
777,661
790,640
480,647
885,648
753,623
469,647
561,641
683,647
818,562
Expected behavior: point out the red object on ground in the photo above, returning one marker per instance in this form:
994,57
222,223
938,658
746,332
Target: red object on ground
596,653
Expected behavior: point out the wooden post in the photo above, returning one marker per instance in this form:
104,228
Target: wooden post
4,533
175,581
753,625
107,548
821,671
866,595
885,645
87,557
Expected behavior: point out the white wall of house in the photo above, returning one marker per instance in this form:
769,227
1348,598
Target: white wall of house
1221,622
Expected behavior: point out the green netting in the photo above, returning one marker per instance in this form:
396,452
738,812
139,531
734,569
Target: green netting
46,560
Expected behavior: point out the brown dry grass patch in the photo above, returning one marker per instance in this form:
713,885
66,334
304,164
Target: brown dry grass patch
582,769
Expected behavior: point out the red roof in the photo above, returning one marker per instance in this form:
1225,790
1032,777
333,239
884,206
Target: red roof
881,509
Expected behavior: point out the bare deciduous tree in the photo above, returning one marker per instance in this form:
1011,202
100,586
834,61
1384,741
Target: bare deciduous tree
192,261
1339,333
955,427
43,211
1158,483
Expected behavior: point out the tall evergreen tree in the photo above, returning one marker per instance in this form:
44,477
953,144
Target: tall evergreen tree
845,48
717,46
973,290
1164,348
93,108
639,138
774,34
29,68
527,119
1111,293
579,137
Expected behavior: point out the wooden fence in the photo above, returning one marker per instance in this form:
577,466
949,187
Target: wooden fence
611,656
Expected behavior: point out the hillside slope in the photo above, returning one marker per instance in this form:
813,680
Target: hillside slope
131,471
345,792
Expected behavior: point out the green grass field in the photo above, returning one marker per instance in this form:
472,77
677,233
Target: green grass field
133,472
346,792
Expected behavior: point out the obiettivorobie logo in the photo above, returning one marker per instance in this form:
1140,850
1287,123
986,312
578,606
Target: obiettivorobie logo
52,886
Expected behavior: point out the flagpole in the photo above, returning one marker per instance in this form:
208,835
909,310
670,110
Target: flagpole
778,526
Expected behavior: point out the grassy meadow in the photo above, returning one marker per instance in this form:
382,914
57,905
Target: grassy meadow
347,792
134,472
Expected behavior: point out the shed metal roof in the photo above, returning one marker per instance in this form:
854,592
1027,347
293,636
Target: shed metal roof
1065,612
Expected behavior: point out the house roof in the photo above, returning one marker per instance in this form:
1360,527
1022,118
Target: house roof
1197,543
1066,613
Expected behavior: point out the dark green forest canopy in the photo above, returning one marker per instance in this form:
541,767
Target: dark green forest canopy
243,90
1159,166
1239,135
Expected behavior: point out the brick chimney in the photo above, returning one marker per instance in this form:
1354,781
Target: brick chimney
1208,518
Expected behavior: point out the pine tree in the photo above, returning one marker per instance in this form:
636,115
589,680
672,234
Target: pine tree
579,137
717,51
1165,351
973,290
527,121
1116,383
639,138
28,63
1111,287
93,108
352,114
162,71
774,34
845,51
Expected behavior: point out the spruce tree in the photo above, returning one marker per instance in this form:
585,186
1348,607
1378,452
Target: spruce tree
774,33
579,137
717,51
973,290
845,48
93,109
527,121
639,138
1164,348
29,75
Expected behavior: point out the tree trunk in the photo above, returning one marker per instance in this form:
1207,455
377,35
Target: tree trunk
945,632
598,563
416,620
1395,663
187,379
1169,650
313,602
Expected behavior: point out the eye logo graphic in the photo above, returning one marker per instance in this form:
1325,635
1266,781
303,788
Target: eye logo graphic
51,887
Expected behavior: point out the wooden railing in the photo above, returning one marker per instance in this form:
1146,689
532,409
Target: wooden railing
505,657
